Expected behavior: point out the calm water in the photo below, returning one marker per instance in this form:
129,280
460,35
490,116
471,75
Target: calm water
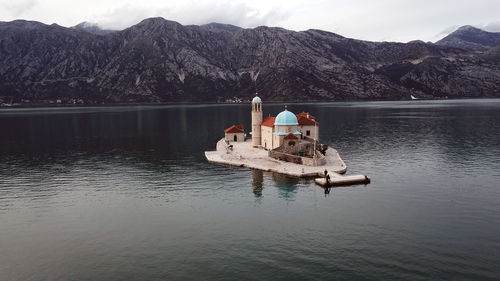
106,193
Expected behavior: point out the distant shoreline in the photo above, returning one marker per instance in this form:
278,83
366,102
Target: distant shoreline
225,103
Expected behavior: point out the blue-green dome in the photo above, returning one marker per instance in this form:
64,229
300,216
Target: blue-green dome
256,99
286,118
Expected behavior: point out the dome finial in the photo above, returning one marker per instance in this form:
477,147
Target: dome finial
286,107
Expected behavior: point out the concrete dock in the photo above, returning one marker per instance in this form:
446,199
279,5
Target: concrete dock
243,154
337,180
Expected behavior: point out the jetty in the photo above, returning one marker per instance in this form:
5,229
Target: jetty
337,180
243,154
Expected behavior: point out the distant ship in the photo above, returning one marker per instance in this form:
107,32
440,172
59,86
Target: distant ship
413,98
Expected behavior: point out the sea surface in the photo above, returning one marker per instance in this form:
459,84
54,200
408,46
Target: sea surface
125,193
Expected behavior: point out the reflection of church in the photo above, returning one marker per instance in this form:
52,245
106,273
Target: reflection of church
287,186
288,137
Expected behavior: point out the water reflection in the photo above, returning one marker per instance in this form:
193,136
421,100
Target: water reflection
257,183
129,188
327,191
287,186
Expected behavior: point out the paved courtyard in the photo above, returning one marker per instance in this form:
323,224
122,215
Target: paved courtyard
244,155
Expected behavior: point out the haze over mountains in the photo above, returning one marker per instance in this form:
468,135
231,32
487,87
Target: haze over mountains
92,28
158,60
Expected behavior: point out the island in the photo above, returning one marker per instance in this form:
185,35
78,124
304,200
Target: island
286,144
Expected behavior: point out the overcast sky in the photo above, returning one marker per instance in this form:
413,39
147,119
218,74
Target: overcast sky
375,20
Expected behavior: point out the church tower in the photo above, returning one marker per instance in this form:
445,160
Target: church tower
256,121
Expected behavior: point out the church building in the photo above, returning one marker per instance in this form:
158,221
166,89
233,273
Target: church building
270,133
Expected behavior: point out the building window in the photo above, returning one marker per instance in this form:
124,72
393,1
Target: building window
308,133
235,138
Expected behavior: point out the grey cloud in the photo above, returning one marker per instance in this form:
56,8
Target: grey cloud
492,26
19,7
122,17
237,14
445,32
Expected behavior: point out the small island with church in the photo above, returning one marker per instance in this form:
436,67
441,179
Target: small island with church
287,144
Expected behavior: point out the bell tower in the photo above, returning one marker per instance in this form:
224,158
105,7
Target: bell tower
256,121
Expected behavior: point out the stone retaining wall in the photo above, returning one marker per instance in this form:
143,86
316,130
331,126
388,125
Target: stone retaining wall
285,157
319,161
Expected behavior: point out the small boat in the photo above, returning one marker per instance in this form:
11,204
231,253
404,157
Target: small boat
337,180
413,97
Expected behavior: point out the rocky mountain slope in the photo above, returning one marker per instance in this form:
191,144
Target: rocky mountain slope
471,38
160,61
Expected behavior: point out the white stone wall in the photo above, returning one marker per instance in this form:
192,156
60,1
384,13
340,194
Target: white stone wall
286,129
267,137
277,141
314,132
230,137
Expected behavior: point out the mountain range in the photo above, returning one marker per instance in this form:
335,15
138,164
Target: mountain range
158,60
471,38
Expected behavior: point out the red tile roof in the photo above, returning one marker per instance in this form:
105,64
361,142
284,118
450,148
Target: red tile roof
235,129
269,121
291,136
305,121
306,115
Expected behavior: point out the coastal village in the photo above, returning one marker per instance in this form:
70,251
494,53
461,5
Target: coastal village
287,143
